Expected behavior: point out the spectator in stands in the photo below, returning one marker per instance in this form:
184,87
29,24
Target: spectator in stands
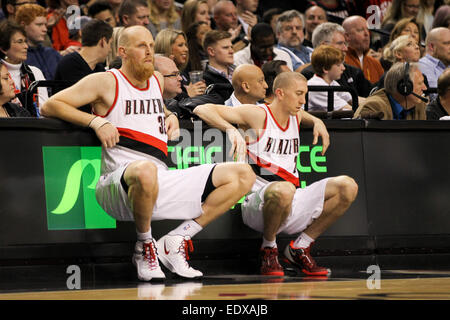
408,26
261,48
134,13
334,35
290,37
358,38
403,49
437,57
172,44
426,13
171,74
194,11
439,108
328,62
271,16
75,30
58,22
314,16
225,19
163,14
10,7
219,49
197,55
442,17
96,45
102,10
405,26
130,13
391,103
175,98
7,93
13,52
337,10
271,69
246,13
115,5
397,10
32,18
249,86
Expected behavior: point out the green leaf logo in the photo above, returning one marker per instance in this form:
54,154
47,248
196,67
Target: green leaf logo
73,182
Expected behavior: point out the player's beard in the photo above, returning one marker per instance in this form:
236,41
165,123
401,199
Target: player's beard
141,71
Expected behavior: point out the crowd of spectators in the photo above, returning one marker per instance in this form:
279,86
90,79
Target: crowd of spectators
239,46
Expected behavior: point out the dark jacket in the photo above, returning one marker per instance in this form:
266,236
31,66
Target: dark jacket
212,77
435,110
44,58
184,105
351,77
378,106
15,110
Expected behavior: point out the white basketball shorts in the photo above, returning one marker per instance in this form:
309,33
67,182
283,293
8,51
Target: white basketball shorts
307,205
179,195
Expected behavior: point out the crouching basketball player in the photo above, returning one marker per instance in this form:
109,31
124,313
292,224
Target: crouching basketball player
133,126
276,203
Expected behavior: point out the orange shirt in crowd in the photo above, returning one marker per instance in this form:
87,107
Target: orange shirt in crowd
371,67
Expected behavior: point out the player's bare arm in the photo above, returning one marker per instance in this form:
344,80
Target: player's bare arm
64,105
223,117
319,128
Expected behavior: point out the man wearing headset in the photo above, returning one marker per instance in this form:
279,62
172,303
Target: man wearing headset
400,99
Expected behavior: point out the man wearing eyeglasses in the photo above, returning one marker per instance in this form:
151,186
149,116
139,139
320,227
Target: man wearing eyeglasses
171,74
176,99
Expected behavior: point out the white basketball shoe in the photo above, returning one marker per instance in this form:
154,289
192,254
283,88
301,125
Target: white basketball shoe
173,254
145,258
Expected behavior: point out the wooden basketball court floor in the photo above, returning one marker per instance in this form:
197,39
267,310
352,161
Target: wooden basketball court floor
392,285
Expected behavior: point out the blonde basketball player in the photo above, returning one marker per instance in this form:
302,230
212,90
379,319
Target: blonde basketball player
277,204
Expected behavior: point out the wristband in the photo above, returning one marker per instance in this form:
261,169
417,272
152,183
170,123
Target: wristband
97,122
172,113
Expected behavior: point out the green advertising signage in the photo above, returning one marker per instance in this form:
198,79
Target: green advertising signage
71,174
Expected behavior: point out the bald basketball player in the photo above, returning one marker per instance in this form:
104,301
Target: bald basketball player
248,84
276,204
133,126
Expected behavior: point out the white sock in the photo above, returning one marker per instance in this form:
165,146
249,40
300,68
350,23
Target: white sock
187,228
303,241
267,243
144,236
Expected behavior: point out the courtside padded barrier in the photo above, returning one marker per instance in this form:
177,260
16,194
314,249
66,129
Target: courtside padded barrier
48,171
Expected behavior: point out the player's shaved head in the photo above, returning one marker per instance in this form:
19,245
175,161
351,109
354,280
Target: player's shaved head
131,33
244,73
285,79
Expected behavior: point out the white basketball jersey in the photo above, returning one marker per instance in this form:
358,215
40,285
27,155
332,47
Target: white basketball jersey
138,115
273,156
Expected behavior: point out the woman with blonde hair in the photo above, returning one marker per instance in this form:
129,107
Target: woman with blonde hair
403,49
163,15
194,11
173,44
